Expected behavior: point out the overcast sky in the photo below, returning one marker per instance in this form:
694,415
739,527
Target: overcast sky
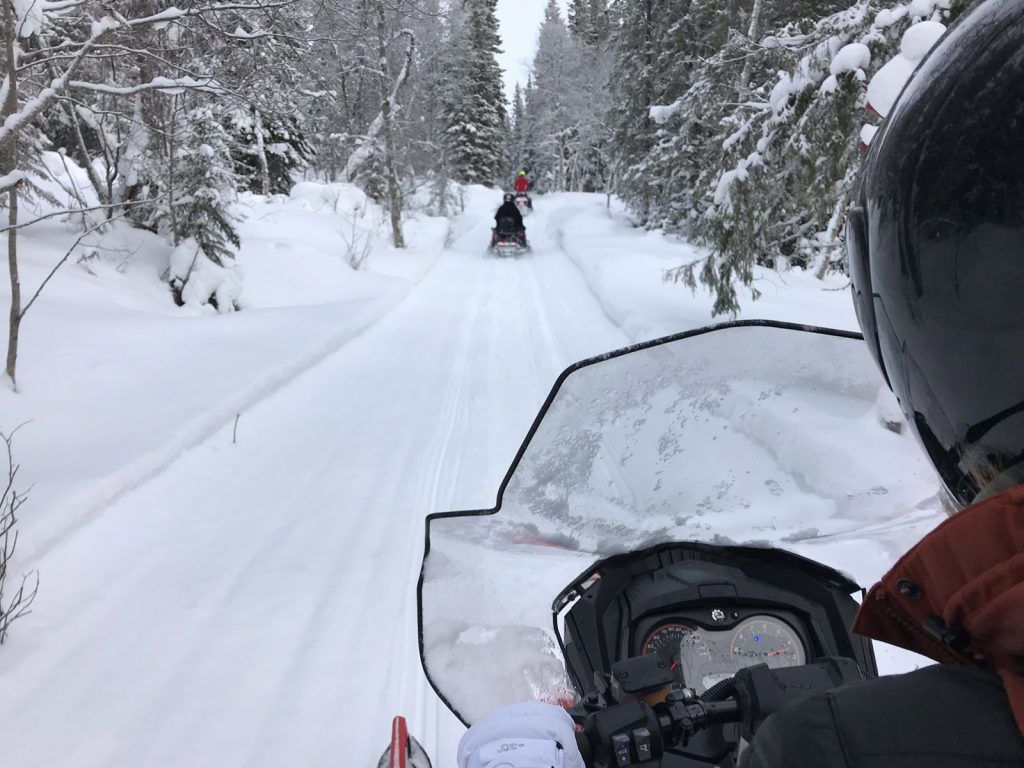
519,22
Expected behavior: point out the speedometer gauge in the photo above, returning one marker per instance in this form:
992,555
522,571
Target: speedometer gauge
767,640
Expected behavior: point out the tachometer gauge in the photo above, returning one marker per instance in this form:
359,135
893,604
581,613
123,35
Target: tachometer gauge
682,643
767,640
671,639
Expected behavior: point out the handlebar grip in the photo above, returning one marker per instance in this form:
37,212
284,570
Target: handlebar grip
761,691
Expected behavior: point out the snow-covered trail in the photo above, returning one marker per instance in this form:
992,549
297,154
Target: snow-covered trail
254,603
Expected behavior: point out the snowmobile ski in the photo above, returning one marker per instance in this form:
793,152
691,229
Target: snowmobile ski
403,751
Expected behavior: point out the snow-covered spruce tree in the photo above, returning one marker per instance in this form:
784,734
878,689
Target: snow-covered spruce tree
564,126
589,21
474,111
590,158
554,101
517,149
268,150
198,215
648,56
759,154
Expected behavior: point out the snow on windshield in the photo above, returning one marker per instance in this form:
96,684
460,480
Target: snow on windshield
746,435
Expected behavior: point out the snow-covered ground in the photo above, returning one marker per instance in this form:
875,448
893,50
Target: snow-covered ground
226,510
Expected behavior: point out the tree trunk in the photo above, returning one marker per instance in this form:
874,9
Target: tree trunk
394,191
83,152
12,265
8,164
261,152
752,34
172,151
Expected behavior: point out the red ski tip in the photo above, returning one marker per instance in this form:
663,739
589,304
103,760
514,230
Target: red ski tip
403,751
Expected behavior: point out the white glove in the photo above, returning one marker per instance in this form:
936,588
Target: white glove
526,735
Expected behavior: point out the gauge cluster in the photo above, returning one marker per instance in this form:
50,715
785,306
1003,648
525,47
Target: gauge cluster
709,654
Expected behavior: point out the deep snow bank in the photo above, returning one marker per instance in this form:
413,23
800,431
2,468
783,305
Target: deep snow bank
115,381
625,268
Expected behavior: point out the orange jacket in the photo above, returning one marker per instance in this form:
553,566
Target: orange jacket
958,595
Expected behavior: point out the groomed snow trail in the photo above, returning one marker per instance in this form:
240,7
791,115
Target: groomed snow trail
254,603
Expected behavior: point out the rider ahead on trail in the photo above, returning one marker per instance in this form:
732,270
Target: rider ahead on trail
509,210
522,183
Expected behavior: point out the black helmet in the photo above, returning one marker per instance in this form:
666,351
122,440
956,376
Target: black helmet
935,239
509,197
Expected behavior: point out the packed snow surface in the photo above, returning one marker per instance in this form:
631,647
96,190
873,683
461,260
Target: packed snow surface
226,510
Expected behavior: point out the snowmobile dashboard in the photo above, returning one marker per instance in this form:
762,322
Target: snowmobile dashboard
709,645
705,614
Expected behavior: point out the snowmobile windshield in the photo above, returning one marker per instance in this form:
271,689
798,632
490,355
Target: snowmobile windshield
749,433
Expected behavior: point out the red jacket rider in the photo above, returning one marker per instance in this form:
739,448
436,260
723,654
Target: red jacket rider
522,183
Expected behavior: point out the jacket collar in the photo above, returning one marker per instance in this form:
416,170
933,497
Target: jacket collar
958,595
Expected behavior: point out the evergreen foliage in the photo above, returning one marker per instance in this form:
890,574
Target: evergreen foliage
756,152
564,137
474,106
200,194
753,153
286,150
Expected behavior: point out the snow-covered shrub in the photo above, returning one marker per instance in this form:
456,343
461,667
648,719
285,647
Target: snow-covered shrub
196,279
199,211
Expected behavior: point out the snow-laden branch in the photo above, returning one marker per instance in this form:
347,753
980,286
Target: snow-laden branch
9,180
17,121
165,84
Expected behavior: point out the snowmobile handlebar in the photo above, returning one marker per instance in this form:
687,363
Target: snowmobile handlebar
638,732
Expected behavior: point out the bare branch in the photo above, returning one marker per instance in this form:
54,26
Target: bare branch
76,211
20,602
59,264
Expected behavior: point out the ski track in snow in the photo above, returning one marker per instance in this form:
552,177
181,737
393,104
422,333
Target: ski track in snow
254,604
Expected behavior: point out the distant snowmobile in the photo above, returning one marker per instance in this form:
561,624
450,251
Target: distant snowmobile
523,203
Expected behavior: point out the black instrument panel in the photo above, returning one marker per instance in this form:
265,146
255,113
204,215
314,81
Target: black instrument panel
707,646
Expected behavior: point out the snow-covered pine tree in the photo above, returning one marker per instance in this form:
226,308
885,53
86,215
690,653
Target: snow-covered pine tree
197,214
529,138
555,94
590,160
517,128
565,115
646,56
475,111
757,149
589,21
279,140
598,25
779,172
